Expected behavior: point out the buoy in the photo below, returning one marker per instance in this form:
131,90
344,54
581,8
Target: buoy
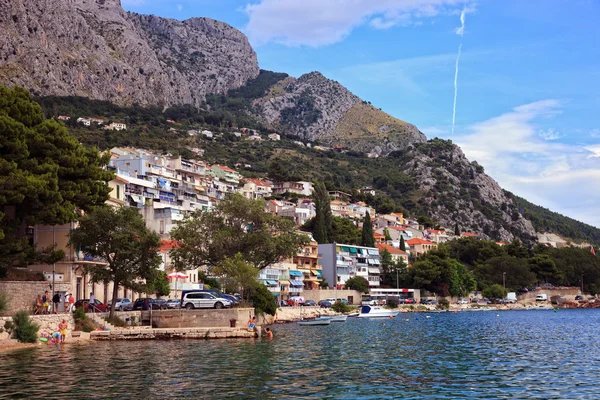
427,316
406,319
497,315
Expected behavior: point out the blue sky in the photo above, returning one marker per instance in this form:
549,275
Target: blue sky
528,88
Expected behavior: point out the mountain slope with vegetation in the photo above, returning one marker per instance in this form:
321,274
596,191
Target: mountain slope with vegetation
431,180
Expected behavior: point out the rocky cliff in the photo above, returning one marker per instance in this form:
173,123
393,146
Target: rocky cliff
313,107
93,48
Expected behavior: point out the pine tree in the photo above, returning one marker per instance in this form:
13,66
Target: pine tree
402,244
322,231
456,229
386,232
367,239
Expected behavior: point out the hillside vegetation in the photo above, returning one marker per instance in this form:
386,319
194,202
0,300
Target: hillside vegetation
432,180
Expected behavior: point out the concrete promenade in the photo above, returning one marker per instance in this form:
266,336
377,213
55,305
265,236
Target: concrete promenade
143,333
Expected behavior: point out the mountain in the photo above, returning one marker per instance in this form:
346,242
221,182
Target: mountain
204,73
93,48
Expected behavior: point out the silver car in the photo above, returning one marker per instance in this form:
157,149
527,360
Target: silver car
193,300
122,304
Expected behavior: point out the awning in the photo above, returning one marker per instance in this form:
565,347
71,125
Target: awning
270,282
374,252
276,294
369,261
346,249
353,250
296,283
317,272
376,261
296,273
374,271
136,198
284,282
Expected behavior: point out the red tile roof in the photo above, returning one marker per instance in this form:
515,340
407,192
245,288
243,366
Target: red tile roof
224,168
378,235
167,245
436,231
258,182
413,241
469,234
390,249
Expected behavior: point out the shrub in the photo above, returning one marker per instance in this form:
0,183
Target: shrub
263,301
25,331
116,321
82,322
443,303
341,307
392,303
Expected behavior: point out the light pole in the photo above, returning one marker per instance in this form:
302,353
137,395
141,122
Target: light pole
582,284
397,281
504,282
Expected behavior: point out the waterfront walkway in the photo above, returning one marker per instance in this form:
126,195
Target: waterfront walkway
142,333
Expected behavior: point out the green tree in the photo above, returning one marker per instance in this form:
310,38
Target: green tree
322,228
386,264
45,174
545,269
118,237
495,291
517,271
456,230
25,330
386,233
367,238
212,282
357,283
461,281
237,274
344,231
235,225
159,284
263,300
402,243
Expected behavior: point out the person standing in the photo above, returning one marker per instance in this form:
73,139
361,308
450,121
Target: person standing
92,302
62,328
55,301
71,302
45,302
38,305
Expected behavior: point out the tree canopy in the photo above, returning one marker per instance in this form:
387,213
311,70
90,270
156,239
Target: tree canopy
126,250
322,225
45,174
235,225
357,283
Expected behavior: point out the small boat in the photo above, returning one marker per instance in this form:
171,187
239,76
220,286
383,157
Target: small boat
354,314
316,321
376,312
339,318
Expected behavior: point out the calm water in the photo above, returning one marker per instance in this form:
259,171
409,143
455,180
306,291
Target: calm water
519,354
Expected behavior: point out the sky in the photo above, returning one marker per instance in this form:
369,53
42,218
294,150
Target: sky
527,87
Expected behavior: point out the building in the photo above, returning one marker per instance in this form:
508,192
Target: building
256,189
436,235
274,136
116,126
64,117
84,120
397,254
342,261
307,262
419,246
301,188
469,235
225,174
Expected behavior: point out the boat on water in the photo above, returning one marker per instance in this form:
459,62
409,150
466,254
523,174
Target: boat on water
316,321
354,314
376,312
479,309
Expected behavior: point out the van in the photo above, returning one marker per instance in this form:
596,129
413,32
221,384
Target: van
541,297
201,299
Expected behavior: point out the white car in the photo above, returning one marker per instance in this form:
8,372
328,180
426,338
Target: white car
122,304
200,299
462,301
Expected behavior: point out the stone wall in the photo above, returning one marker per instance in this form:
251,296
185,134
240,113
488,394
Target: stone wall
569,294
48,323
22,295
323,294
198,318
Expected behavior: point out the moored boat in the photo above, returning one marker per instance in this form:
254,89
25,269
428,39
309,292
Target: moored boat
316,321
339,318
376,312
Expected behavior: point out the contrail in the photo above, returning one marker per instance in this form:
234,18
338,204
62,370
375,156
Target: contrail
460,31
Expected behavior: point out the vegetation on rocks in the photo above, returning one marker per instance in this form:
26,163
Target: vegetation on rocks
25,330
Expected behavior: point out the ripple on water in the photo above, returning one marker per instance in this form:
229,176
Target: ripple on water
533,354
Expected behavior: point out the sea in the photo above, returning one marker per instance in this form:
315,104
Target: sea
538,354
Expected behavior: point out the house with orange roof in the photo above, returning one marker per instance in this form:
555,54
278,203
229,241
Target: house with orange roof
397,254
420,246
226,174
256,189
436,235
379,238
469,234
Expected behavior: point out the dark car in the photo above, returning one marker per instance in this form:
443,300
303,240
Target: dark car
145,303
98,306
309,303
325,304
579,298
173,303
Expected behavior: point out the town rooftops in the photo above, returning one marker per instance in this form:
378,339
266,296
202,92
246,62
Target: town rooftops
390,249
258,182
415,241
469,234
167,245
224,168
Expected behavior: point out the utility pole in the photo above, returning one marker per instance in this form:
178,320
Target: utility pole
582,284
504,282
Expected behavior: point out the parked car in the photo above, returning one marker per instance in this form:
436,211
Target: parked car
162,303
541,297
122,304
462,301
200,299
98,306
484,301
145,303
324,304
345,301
579,298
428,301
232,298
309,303
173,303
410,301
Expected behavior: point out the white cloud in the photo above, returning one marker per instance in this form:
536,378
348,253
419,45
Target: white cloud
179,7
550,134
323,22
595,133
433,131
555,175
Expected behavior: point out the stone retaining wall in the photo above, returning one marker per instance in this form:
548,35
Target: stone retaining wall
318,295
22,295
176,333
209,318
48,323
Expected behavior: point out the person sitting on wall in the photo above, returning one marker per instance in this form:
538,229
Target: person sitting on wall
252,323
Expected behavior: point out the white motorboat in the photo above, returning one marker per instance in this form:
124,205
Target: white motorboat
316,321
339,318
376,312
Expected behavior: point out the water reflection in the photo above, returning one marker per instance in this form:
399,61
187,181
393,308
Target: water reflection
532,354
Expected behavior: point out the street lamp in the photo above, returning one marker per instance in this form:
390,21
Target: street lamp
504,281
582,284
